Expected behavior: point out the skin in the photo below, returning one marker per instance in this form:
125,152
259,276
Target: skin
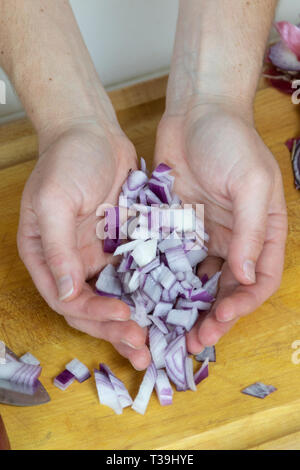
206,134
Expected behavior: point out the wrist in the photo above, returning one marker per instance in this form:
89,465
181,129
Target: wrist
193,83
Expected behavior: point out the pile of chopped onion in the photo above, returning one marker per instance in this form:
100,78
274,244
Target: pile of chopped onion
157,278
283,58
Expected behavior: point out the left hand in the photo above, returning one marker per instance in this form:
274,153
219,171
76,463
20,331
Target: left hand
218,159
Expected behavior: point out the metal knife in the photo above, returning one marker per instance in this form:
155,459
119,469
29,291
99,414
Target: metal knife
20,395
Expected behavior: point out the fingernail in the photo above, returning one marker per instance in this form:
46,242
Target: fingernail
124,341
119,319
65,287
249,270
226,317
138,368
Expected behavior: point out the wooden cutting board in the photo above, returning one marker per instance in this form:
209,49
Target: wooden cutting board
258,348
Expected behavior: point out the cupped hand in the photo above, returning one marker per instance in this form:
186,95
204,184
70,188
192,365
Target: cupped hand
78,170
219,159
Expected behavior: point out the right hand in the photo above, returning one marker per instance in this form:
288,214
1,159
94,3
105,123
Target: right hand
83,167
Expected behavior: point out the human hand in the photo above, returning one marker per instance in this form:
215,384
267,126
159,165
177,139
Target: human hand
78,170
219,160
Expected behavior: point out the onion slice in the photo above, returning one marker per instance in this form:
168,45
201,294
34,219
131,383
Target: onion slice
259,390
2,353
208,353
64,380
28,358
120,389
163,388
106,392
142,399
79,370
202,373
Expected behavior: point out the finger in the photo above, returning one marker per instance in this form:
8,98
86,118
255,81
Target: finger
140,359
235,300
250,210
129,333
88,305
209,267
245,299
56,221
208,330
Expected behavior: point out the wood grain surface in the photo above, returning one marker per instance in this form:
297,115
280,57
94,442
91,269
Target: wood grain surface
258,348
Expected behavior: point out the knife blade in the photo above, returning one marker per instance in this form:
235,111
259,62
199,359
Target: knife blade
21,395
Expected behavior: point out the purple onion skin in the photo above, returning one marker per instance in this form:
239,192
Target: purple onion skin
294,147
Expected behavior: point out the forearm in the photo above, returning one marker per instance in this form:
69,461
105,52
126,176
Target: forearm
43,53
218,52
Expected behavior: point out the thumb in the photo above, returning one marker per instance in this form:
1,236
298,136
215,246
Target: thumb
250,212
59,242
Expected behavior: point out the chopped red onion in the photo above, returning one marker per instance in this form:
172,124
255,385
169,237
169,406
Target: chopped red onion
64,380
108,281
159,323
2,353
19,372
79,370
290,35
208,353
145,252
202,373
28,358
158,346
294,147
120,389
190,374
184,318
281,56
156,277
163,388
175,362
259,390
106,392
142,399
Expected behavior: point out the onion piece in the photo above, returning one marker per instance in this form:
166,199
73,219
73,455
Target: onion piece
145,252
20,373
177,260
175,362
290,35
2,353
163,388
108,281
190,374
79,370
281,56
64,380
120,389
158,346
211,286
184,318
295,155
28,358
142,399
208,353
126,247
162,309
259,390
159,323
106,392
202,373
